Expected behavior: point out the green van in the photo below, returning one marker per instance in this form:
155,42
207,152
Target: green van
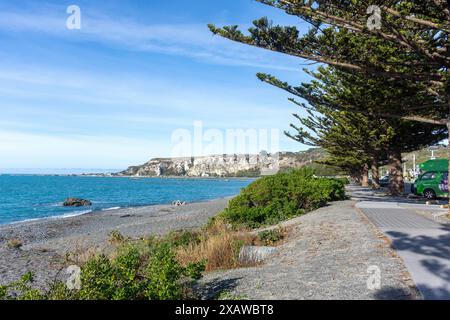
433,181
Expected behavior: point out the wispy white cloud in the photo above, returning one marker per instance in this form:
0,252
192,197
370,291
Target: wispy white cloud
46,109
188,40
119,90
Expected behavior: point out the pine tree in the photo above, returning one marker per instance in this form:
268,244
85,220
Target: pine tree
407,42
345,103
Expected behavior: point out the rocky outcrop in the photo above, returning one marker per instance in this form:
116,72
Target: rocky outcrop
76,202
221,165
253,254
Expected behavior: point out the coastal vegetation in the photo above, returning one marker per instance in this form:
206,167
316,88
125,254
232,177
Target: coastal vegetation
272,199
271,237
141,270
14,243
165,267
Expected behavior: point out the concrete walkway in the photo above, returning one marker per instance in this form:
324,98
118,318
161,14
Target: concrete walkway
423,244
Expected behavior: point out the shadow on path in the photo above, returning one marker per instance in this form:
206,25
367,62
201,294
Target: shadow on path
393,293
212,289
435,258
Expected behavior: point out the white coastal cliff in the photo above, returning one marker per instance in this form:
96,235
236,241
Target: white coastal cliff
219,165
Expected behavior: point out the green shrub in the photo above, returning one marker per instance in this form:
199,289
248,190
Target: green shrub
59,291
272,199
112,279
116,237
181,238
163,273
131,274
194,270
344,180
269,237
20,289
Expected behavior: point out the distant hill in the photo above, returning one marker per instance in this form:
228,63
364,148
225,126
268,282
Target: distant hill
225,165
437,152
423,155
255,165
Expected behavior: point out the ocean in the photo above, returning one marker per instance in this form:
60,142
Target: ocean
30,197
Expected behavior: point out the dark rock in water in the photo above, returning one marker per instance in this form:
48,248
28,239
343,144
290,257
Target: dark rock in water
76,202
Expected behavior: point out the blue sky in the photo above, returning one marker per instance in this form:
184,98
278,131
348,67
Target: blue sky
111,94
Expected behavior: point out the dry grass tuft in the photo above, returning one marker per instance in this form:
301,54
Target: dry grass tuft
82,254
14,243
219,246
115,237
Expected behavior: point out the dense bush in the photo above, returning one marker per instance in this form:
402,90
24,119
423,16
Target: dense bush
155,268
271,199
131,274
270,237
182,238
22,287
344,180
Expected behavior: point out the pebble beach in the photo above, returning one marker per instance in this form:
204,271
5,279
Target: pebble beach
41,245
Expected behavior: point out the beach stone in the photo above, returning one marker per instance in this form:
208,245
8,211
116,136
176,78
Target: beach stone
254,254
76,202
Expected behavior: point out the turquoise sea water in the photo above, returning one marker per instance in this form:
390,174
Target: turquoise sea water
26,197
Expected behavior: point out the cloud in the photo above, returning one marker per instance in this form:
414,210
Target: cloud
46,109
115,91
187,40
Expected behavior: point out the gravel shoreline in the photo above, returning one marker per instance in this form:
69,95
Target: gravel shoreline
45,242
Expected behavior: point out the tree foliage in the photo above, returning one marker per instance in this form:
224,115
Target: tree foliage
395,71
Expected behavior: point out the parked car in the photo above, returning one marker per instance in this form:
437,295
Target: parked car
384,181
433,182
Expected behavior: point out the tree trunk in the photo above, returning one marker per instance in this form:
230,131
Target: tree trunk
356,177
375,175
365,176
448,143
396,184
448,156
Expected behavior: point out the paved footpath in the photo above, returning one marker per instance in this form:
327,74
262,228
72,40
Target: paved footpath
423,244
